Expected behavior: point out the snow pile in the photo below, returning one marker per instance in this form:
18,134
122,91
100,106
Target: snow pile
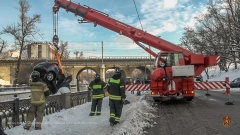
63,90
75,121
216,75
3,82
138,117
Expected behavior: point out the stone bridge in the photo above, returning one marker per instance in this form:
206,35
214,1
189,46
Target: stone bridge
75,67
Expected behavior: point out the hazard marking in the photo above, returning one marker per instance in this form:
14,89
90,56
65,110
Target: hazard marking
197,86
210,85
137,87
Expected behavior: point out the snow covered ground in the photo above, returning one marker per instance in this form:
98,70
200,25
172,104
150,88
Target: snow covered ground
217,75
75,121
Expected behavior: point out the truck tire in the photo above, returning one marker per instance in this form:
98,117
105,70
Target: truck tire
189,98
156,99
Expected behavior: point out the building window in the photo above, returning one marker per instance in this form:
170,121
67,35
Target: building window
39,51
29,51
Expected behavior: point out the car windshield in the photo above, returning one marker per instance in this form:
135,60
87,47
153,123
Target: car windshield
236,80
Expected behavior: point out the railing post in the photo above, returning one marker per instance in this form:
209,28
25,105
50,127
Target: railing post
89,96
15,119
1,126
66,100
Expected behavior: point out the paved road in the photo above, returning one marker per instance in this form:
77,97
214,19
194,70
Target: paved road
202,116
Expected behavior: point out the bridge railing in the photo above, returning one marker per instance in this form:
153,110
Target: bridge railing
90,57
14,112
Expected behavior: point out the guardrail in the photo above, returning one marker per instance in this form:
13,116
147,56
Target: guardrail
14,112
7,89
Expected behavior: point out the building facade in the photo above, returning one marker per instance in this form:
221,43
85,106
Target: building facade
40,50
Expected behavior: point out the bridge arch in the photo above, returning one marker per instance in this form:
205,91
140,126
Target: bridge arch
141,72
80,71
146,71
109,75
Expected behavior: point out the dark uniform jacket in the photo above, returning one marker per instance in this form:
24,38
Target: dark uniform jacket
116,88
97,87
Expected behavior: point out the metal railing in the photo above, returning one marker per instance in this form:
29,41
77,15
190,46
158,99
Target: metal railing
90,57
14,112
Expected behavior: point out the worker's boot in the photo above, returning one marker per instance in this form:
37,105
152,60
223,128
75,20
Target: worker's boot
116,122
112,121
38,128
91,114
26,127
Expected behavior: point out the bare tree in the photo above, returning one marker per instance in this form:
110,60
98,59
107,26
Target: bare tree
23,32
76,53
217,32
63,50
81,55
3,45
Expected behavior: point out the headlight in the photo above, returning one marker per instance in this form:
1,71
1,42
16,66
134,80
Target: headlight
49,76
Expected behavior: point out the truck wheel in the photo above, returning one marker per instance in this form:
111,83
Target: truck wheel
189,98
156,99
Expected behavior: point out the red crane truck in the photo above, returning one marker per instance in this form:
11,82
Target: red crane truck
175,67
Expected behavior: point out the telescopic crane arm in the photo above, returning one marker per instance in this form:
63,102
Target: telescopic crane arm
88,14
98,17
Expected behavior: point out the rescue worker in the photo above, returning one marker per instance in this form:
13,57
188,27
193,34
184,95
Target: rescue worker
39,92
97,86
138,81
116,90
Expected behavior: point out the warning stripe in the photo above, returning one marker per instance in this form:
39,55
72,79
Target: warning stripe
210,85
218,59
197,86
137,87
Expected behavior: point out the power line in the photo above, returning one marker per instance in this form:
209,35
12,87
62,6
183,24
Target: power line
137,14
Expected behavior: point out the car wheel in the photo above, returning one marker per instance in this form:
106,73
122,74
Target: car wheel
50,76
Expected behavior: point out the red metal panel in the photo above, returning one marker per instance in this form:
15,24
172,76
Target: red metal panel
197,59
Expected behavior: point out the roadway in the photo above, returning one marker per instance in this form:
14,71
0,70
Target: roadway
202,116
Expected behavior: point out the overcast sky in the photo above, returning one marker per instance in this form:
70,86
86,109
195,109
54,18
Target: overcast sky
165,18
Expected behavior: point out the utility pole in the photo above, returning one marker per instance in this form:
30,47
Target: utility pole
103,66
102,52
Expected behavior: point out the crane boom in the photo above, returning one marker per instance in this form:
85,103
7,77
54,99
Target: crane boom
88,14
175,67
102,19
